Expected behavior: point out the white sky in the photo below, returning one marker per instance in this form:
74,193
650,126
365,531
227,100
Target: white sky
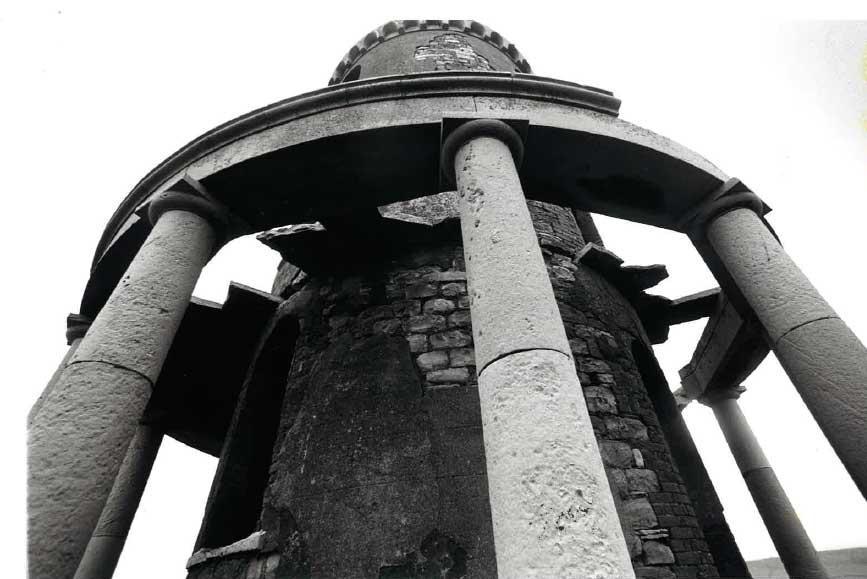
95,94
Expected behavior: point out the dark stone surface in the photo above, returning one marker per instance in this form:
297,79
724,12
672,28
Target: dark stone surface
198,387
380,463
355,467
379,466
438,556
703,502
235,500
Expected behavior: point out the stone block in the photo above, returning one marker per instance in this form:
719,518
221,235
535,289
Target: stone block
337,322
444,386
642,480
639,459
462,357
625,428
450,339
684,533
407,308
425,323
453,289
653,534
421,290
600,400
438,306
394,292
578,347
655,553
446,276
436,360
561,273
633,544
689,558
617,479
417,343
638,514
615,453
464,302
460,319
448,375
654,573
590,365
377,313
390,327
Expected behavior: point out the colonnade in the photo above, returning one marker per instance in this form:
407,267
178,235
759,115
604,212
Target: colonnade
824,359
82,432
791,541
539,442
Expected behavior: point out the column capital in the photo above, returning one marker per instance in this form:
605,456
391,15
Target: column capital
730,195
494,128
76,326
187,194
717,395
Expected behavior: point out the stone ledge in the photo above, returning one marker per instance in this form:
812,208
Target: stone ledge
254,542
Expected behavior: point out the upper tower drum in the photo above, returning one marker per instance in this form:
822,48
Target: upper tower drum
410,46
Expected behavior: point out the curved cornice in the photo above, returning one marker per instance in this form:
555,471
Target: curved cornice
432,84
395,28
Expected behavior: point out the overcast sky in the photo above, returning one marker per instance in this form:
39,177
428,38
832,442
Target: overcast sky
95,94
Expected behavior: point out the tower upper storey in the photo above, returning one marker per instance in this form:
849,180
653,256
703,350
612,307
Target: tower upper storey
409,46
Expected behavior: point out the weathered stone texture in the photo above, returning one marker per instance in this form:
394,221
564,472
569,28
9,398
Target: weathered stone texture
379,467
602,326
451,52
380,462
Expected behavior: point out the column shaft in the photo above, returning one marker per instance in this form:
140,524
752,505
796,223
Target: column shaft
106,544
552,509
82,431
824,359
794,547
52,382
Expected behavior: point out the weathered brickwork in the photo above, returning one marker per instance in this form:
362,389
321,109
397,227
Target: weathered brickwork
659,522
405,470
425,301
378,469
452,52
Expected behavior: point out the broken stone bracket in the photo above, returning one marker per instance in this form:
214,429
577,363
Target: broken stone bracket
657,313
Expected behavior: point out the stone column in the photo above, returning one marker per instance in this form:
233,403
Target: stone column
106,544
552,509
82,432
76,327
824,359
790,539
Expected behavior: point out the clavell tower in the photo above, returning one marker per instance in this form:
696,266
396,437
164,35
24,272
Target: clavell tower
452,375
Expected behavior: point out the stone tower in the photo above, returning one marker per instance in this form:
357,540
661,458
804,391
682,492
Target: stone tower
452,375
